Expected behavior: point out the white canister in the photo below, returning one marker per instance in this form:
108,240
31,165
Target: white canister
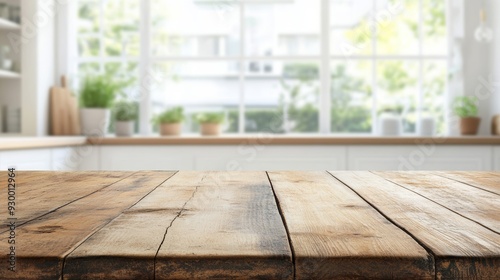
427,127
390,125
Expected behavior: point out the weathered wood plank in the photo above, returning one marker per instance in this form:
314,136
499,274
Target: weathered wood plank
337,235
40,194
462,248
489,181
230,228
43,243
126,248
473,203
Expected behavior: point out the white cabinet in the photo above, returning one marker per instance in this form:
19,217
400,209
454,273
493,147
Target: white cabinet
273,158
63,159
497,158
135,158
283,157
424,157
36,159
46,159
248,157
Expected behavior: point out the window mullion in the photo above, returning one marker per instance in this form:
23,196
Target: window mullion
101,36
145,78
241,110
374,72
420,101
325,95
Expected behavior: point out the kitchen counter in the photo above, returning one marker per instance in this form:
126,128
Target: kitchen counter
270,139
254,225
20,143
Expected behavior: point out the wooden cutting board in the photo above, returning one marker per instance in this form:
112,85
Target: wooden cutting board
64,119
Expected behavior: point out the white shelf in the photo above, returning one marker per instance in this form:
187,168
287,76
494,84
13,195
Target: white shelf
9,74
10,25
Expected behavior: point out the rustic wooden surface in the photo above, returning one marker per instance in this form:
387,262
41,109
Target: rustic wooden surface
265,225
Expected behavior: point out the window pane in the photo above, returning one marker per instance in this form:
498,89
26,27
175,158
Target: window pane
290,28
351,91
397,82
88,46
195,28
88,68
88,28
434,92
397,27
121,27
351,24
285,99
435,33
199,87
88,17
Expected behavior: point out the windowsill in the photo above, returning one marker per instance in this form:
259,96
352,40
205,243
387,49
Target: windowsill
271,139
21,143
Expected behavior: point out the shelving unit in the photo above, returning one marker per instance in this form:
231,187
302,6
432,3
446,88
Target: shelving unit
9,25
9,74
10,80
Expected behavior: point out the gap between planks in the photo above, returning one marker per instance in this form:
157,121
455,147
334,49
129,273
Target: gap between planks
470,214
110,221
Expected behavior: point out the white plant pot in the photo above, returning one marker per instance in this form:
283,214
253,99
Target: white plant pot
390,125
94,121
427,127
124,128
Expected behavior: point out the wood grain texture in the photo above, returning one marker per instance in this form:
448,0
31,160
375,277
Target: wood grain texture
38,193
229,229
489,181
126,248
462,248
45,242
337,235
476,204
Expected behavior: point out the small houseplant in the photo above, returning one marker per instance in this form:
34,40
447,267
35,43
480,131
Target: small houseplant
465,107
210,123
96,98
125,114
170,121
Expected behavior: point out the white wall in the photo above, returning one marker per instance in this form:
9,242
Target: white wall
38,64
476,57
494,53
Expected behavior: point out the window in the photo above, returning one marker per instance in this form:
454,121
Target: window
282,66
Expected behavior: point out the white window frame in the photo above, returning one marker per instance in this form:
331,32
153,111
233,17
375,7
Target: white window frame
324,60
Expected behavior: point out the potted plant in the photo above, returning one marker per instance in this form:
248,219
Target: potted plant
96,98
210,123
465,107
125,115
170,121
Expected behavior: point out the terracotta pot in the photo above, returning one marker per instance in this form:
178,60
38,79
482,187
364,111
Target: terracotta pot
495,125
210,129
470,125
170,129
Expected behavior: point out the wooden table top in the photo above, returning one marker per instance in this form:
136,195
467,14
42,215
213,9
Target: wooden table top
244,225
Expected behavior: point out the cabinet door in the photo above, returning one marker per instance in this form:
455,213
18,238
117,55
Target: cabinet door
64,159
497,158
133,158
424,157
271,158
36,159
